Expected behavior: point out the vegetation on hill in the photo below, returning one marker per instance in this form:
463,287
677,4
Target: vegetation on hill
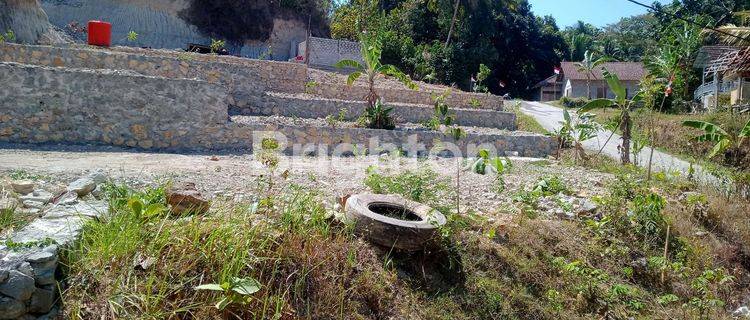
237,21
651,251
519,47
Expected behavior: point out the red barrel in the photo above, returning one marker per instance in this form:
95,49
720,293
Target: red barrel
100,33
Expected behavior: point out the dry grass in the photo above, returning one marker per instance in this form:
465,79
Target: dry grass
311,267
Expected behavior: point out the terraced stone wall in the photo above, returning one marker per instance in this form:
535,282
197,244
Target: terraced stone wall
404,95
307,107
240,76
81,106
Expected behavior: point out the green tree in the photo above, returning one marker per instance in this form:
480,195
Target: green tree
589,65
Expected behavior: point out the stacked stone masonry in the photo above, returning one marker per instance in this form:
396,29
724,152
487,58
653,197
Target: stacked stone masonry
305,106
242,77
62,105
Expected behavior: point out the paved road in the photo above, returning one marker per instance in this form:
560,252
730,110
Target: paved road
550,117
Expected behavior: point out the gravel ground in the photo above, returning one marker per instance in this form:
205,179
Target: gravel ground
320,122
237,175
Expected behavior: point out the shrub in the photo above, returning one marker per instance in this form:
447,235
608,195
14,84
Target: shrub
573,102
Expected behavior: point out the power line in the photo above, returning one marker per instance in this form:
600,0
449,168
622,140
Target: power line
688,20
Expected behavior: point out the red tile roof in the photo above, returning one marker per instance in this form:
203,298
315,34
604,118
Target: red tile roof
626,71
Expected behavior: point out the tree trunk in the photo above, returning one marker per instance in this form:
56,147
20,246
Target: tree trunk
588,87
625,127
453,22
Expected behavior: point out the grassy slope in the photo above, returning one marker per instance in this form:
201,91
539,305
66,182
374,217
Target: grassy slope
525,122
312,267
674,138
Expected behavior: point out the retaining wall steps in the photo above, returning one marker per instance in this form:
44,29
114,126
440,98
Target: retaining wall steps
311,106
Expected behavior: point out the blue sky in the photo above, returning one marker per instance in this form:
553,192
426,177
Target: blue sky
596,12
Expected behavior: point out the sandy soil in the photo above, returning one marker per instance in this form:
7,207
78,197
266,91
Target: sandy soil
237,175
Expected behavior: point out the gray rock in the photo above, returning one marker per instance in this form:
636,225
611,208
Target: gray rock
82,186
586,207
98,176
68,198
31,204
11,308
18,286
38,195
742,311
39,257
22,186
3,275
41,301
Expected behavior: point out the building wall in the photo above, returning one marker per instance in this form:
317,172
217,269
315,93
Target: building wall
327,52
578,89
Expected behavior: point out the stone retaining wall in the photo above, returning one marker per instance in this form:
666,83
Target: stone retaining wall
43,105
404,95
311,107
240,76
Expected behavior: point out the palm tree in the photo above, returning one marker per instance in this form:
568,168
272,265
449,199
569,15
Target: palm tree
589,65
739,34
371,50
621,102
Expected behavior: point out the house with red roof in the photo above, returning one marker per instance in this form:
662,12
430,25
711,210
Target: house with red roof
574,81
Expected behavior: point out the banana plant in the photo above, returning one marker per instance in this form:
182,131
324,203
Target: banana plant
625,106
722,139
371,48
588,66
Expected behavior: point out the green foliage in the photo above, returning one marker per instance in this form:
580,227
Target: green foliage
482,76
8,36
722,139
132,36
334,120
217,45
442,116
423,185
379,116
17,246
494,33
371,49
573,102
235,291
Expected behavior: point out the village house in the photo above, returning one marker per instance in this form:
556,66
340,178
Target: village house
726,73
571,82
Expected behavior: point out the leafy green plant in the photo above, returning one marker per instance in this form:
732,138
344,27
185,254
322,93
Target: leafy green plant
8,36
217,45
496,164
378,116
236,291
482,75
334,120
475,103
132,36
371,44
442,116
624,105
423,185
723,140
145,210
